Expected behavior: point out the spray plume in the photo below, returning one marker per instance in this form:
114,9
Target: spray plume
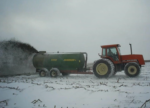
16,57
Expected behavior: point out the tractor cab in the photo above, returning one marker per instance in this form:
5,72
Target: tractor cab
111,52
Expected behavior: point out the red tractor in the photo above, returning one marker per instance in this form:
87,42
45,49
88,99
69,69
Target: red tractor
112,62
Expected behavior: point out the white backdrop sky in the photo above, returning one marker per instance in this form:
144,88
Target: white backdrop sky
78,25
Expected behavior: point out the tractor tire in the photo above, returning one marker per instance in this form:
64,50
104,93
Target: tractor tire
65,74
42,73
103,68
53,73
132,69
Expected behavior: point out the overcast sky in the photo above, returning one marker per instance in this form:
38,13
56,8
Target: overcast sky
78,25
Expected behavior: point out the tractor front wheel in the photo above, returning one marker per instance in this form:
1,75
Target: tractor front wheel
132,69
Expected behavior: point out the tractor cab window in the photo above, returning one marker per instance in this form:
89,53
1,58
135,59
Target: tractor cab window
104,52
112,52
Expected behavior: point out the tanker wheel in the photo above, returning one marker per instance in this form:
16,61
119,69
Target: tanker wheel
53,73
103,68
132,69
42,73
65,74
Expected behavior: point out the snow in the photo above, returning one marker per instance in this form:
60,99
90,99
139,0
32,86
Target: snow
76,91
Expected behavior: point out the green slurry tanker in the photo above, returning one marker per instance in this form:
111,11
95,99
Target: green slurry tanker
65,63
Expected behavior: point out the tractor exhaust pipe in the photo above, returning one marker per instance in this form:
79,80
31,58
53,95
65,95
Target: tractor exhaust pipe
131,48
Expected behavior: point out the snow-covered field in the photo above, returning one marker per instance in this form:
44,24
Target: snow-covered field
76,91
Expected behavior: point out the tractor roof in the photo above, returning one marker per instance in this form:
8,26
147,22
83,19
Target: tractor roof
114,45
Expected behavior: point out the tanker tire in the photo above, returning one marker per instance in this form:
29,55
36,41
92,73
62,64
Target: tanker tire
65,74
132,69
103,68
53,73
42,73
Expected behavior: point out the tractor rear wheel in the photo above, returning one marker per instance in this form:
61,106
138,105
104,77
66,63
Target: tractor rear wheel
103,68
132,69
